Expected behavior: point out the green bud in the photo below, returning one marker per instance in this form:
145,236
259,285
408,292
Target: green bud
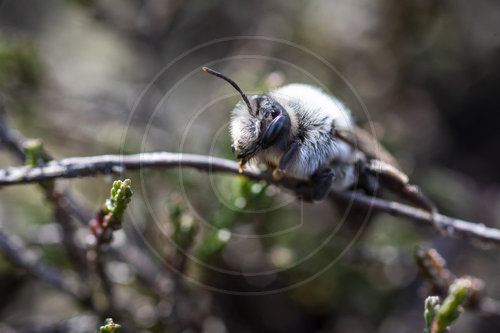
110,326
432,304
35,154
451,308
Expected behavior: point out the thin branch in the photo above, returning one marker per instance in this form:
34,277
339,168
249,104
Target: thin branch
14,142
108,164
10,139
432,266
476,232
76,167
64,205
16,253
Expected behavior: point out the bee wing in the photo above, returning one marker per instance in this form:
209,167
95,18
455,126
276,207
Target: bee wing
366,143
383,165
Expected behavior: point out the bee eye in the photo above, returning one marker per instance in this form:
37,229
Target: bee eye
276,127
274,113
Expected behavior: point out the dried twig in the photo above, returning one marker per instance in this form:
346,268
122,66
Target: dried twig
14,142
106,164
432,266
64,205
16,253
10,139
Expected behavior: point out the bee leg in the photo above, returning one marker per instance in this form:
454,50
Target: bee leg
286,160
390,178
322,182
317,188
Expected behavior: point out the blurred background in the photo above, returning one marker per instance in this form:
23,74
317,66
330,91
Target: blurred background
211,253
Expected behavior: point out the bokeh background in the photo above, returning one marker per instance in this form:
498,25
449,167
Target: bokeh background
208,253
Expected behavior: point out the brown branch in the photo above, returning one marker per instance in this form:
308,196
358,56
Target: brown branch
476,232
432,266
14,142
17,253
107,164
10,139
65,207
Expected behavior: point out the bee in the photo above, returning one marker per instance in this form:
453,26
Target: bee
301,132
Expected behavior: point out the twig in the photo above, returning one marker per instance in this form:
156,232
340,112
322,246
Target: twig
432,266
476,232
15,252
14,142
107,164
8,138
64,205
108,219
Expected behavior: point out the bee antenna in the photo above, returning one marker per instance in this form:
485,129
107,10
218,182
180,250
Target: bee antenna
231,82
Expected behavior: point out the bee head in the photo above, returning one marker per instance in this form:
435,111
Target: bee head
259,124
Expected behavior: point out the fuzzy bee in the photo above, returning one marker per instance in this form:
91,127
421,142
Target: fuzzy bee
299,131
